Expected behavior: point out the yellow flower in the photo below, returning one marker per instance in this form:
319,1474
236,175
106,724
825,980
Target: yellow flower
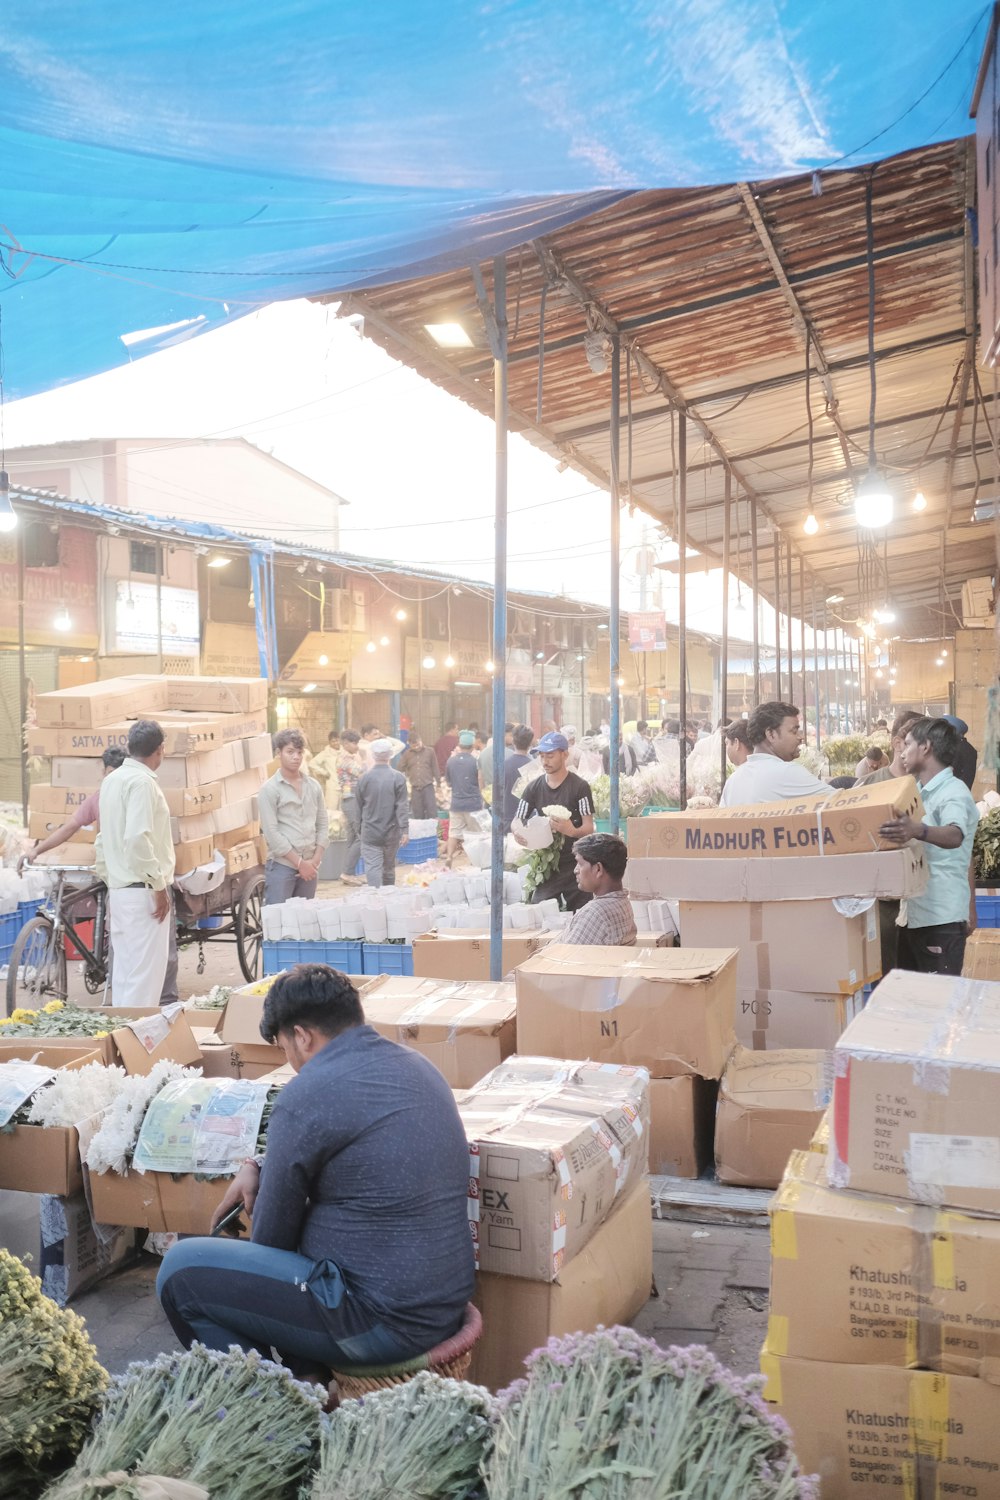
23,1015
53,1006
101,1033
7,1021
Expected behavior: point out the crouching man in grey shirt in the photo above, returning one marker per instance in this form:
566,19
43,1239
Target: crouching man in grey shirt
361,1251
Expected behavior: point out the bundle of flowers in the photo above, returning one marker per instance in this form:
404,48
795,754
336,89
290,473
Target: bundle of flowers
50,1382
232,1425
113,1143
216,998
612,1416
426,1440
74,1094
56,1019
541,863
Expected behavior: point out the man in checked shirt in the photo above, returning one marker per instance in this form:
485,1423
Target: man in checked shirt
607,919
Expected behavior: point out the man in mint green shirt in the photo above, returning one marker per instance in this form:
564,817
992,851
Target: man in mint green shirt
934,926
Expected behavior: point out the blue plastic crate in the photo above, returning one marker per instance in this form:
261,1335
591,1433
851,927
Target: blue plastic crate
10,926
284,954
386,958
417,850
988,911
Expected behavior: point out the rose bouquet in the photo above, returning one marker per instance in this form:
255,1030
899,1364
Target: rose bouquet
425,1440
232,1425
50,1382
612,1416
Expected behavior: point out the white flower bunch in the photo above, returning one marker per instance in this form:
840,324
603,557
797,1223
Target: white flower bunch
112,1145
75,1094
556,810
216,998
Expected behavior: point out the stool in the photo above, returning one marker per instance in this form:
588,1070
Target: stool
452,1358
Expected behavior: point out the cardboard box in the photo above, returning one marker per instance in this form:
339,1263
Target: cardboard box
465,1028
258,754
74,853
767,1020
189,855
916,1084
41,824
607,1283
982,954
190,829
79,774
200,770
229,695
902,1284
71,742
552,1146
789,945
159,1035
38,1158
234,814
188,801
770,1104
72,1257
57,801
681,1125
156,1200
820,1142
869,1431
251,1056
901,872
245,835
466,955
845,822
245,783
240,857
95,703
666,1009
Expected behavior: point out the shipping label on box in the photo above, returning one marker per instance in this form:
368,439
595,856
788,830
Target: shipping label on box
93,704
767,1020
902,1284
230,695
846,822
681,1124
552,1146
916,1083
789,945
465,1028
466,955
669,1010
770,1104
888,874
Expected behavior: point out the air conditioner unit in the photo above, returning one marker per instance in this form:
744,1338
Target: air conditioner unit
345,609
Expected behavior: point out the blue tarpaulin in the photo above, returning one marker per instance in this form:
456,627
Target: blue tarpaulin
165,169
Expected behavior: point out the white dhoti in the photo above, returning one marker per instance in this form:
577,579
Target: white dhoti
141,946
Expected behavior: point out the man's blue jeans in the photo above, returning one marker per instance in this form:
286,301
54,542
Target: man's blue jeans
222,1292
282,882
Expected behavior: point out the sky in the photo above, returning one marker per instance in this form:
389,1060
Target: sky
415,464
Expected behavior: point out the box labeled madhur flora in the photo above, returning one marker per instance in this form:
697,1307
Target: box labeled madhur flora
466,955
790,945
606,1283
466,1028
770,1105
767,1020
552,1146
845,822
901,1284
668,1010
888,874
869,1431
681,1123
982,955
228,695
916,1101
93,704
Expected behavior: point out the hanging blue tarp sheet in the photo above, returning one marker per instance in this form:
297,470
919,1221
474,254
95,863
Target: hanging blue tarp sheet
166,168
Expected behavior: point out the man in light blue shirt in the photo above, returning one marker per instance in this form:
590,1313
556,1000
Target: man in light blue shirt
934,926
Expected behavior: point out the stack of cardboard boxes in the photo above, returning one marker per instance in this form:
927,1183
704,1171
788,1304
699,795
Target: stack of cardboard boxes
883,1342
664,1009
793,886
215,759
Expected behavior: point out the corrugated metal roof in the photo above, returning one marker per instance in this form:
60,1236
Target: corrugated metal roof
713,291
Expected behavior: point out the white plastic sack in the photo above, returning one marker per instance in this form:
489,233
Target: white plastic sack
537,832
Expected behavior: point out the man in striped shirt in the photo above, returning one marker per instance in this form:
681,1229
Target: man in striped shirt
607,919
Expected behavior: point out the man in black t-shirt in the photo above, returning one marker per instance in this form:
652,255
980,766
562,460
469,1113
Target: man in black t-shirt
563,787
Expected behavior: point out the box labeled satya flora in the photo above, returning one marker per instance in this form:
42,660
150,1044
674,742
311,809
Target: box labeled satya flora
552,1147
770,1105
831,947
466,1028
846,822
668,1010
466,955
889,874
903,1284
916,1094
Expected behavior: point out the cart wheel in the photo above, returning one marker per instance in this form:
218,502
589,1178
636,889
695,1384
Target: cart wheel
37,968
250,927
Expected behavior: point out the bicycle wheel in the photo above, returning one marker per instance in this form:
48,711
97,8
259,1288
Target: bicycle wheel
250,927
37,968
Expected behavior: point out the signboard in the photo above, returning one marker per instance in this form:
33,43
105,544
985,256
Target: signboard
647,630
47,590
230,650
468,662
137,629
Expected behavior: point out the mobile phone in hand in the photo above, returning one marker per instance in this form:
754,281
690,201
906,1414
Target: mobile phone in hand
231,1224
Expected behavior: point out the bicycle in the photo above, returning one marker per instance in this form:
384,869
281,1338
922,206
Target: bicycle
36,971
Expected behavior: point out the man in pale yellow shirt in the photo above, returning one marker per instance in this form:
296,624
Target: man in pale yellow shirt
135,859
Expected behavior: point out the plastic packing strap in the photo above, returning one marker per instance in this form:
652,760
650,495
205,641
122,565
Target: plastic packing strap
468,1013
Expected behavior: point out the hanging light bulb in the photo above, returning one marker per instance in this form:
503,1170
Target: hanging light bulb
873,503
490,666
383,640
429,663
62,620
880,674
400,615
8,515
370,646
449,660
810,525
324,661
920,501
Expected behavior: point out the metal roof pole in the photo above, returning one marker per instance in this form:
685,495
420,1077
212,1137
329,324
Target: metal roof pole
819,729
614,631
777,617
682,444
802,640
724,663
790,595
22,674
754,589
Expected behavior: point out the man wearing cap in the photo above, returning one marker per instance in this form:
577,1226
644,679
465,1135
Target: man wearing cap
384,814
967,756
562,787
462,776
